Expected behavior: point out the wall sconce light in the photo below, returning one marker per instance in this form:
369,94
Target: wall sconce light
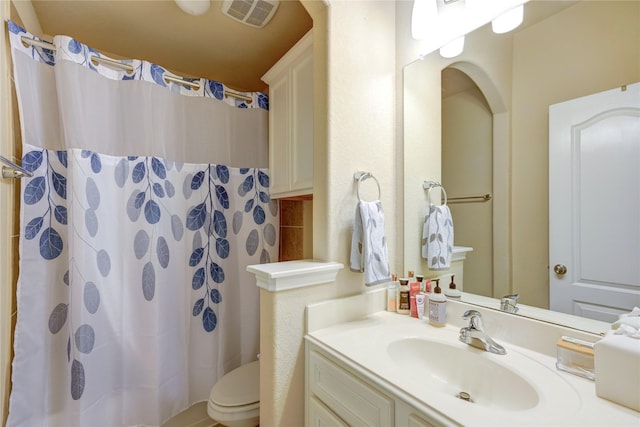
453,48
194,7
423,18
508,20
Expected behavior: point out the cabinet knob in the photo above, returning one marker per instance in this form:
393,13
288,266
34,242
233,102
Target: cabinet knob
560,269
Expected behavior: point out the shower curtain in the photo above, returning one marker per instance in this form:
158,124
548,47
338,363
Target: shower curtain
148,200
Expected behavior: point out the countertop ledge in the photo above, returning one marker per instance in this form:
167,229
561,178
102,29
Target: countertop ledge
363,344
282,276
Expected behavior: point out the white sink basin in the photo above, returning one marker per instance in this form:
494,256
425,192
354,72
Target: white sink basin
455,369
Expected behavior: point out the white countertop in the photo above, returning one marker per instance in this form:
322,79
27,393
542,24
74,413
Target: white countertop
565,399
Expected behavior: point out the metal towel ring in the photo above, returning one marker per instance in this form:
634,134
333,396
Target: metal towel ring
361,176
430,185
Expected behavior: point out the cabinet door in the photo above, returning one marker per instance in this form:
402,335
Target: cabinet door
407,416
279,152
321,416
351,399
416,421
302,123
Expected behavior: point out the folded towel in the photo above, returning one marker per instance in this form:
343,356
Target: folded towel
634,313
437,237
631,321
628,331
628,324
369,244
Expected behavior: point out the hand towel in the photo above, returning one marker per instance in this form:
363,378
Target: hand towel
369,244
437,237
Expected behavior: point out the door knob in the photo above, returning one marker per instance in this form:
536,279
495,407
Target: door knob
560,269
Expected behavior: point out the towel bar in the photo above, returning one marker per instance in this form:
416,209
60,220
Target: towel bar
480,198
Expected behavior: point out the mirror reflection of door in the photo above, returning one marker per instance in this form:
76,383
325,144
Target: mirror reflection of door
594,200
467,170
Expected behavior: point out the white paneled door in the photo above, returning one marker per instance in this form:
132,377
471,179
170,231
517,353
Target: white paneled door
594,204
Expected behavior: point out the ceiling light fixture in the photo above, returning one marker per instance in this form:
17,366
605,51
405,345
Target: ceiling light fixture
508,21
423,18
453,48
194,7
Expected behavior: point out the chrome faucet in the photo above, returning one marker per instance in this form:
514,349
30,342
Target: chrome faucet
509,303
475,336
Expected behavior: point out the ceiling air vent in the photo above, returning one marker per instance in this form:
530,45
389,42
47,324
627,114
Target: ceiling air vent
256,13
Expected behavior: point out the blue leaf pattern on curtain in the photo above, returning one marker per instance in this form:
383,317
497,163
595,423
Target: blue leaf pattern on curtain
143,187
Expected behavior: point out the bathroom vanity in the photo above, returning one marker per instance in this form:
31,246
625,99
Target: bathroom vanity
368,367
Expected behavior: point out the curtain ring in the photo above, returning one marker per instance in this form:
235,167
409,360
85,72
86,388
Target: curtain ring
363,176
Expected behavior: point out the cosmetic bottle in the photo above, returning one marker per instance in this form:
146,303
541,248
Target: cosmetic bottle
392,294
403,297
414,290
421,300
451,291
420,279
437,306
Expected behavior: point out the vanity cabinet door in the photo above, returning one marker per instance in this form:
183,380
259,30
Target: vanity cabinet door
350,398
407,416
416,421
321,416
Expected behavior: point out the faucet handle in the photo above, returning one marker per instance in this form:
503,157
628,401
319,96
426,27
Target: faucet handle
471,313
475,319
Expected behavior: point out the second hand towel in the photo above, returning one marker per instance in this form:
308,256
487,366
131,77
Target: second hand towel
369,244
437,237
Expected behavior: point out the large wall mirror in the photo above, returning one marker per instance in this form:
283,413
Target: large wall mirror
479,123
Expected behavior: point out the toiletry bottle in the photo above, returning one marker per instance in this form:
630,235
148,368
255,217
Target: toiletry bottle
412,286
414,290
437,306
403,297
421,299
392,294
452,292
420,279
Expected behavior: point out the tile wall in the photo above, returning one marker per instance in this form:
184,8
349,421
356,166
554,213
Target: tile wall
296,229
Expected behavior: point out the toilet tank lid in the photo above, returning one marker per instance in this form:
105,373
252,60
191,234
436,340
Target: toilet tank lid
238,387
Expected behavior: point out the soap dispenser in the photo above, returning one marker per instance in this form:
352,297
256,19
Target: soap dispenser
452,292
437,306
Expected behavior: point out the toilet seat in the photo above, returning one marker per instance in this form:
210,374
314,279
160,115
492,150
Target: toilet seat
239,387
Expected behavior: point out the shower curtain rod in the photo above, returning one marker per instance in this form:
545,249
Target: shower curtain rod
129,69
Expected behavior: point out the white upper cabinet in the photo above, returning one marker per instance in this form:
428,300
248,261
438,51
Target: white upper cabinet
290,83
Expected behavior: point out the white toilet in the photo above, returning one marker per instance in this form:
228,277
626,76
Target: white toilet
235,399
